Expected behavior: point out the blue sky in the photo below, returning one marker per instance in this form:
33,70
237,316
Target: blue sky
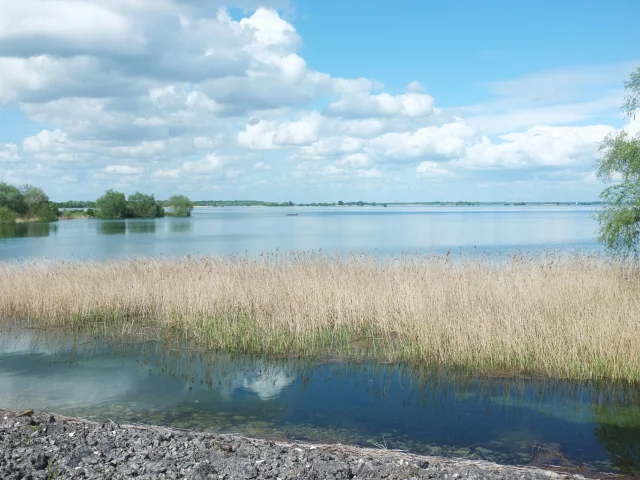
311,100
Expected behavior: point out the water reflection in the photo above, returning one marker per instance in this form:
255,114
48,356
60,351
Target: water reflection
179,225
428,412
141,226
619,432
381,231
111,227
24,230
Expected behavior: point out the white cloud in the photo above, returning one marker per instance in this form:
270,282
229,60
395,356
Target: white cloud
9,153
67,27
370,173
123,170
384,105
633,126
261,166
167,173
355,160
143,149
208,164
539,146
415,87
234,173
446,141
123,88
430,170
44,141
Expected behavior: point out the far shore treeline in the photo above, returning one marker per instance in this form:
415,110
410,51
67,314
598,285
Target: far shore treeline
31,204
260,203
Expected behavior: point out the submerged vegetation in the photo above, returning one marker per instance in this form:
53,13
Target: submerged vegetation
551,315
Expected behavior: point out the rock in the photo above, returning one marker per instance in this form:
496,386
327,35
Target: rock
40,461
81,449
25,413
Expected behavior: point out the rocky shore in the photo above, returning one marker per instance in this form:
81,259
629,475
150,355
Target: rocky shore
46,446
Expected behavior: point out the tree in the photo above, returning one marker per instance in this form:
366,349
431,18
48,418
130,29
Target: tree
47,212
619,220
112,205
179,206
340,202
36,200
12,198
145,206
7,216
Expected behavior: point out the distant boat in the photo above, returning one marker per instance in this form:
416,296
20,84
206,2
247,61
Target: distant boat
292,214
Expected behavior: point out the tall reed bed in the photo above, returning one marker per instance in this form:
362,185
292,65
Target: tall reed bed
552,315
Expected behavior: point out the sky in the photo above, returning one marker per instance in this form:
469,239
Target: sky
313,100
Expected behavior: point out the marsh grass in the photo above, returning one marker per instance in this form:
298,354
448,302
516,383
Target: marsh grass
552,315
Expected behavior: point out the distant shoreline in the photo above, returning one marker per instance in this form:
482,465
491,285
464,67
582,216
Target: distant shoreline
417,204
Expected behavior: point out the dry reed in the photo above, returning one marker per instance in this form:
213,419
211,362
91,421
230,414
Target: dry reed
557,316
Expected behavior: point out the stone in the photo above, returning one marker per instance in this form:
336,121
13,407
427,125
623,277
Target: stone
82,449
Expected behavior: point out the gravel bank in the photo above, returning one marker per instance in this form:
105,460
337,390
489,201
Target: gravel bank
44,446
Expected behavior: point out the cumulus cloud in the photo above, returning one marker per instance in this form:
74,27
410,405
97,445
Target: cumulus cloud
123,170
173,91
384,105
9,153
539,146
167,173
208,164
430,170
44,141
355,160
415,87
261,166
447,140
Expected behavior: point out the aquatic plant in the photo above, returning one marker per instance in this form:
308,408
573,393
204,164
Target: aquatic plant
553,315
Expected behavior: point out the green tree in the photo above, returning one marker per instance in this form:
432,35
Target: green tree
12,198
619,219
36,201
179,206
112,205
7,216
144,206
47,212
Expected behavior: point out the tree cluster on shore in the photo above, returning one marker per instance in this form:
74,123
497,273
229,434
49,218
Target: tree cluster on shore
140,205
26,203
30,203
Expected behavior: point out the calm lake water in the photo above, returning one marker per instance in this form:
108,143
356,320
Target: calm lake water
511,421
254,230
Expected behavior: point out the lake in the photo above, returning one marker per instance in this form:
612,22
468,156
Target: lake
516,421
509,421
253,230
